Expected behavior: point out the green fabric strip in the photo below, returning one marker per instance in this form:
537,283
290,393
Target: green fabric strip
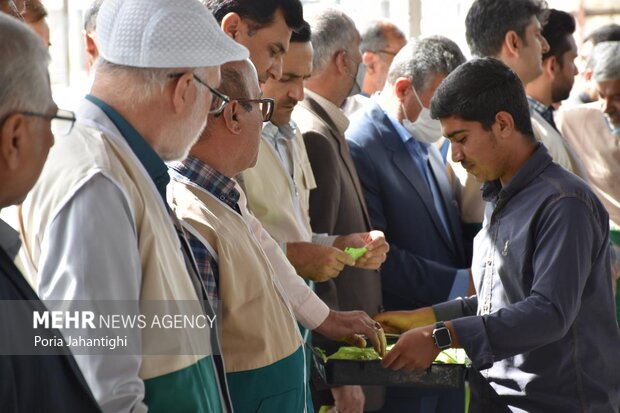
278,387
193,389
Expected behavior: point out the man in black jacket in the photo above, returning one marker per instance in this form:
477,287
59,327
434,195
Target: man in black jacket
32,379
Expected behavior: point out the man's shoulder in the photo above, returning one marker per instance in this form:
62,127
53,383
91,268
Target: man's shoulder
370,127
589,112
561,183
190,202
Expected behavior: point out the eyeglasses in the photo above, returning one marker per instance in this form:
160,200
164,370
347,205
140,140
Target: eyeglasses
16,13
387,52
61,123
218,101
265,105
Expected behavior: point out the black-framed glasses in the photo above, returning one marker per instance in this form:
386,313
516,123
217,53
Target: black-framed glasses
218,99
61,122
265,105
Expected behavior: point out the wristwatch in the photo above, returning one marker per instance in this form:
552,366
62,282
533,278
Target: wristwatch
441,335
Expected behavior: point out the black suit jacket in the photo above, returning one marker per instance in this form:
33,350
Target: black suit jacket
34,383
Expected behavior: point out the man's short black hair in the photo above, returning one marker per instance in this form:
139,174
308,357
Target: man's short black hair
558,26
488,21
302,35
477,90
260,12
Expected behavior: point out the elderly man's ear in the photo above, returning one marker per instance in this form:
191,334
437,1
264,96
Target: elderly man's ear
12,135
231,117
182,93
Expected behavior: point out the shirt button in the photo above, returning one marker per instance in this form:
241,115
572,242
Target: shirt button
489,262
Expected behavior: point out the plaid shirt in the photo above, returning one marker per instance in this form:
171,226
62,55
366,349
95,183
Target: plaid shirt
542,110
222,188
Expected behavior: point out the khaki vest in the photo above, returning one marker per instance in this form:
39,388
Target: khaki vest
279,202
71,162
559,149
257,327
586,129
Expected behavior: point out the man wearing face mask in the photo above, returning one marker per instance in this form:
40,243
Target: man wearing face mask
409,198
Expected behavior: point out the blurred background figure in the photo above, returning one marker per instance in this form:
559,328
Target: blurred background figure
555,82
594,131
35,16
381,41
585,90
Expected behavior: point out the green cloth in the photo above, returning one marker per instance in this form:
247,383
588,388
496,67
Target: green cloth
278,387
193,389
614,236
618,300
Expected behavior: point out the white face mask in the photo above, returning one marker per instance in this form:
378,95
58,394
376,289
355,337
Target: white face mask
425,129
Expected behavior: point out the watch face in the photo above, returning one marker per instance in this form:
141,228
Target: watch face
442,337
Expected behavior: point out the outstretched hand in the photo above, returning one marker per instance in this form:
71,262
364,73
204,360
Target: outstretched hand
401,321
351,326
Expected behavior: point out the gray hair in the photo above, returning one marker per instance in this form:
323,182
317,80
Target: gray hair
332,31
606,57
419,60
90,16
375,35
138,84
23,72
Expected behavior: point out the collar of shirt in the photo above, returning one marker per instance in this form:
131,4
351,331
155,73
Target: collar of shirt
541,109
408,139
154,165
334,112
272,132
492,191
9,240
210,179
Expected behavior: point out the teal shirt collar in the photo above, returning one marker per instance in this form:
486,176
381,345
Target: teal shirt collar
154,165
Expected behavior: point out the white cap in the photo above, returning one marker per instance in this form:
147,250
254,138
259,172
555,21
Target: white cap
163,34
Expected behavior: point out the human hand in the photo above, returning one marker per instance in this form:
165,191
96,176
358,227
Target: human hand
414,350
400,321
348,399
349,326
315,262
373,241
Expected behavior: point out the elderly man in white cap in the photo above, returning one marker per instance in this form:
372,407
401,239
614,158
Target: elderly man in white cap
97,226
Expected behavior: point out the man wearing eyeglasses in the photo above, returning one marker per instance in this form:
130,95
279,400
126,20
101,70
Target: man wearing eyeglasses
98,227
260,296
13,8
381,41
25,140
